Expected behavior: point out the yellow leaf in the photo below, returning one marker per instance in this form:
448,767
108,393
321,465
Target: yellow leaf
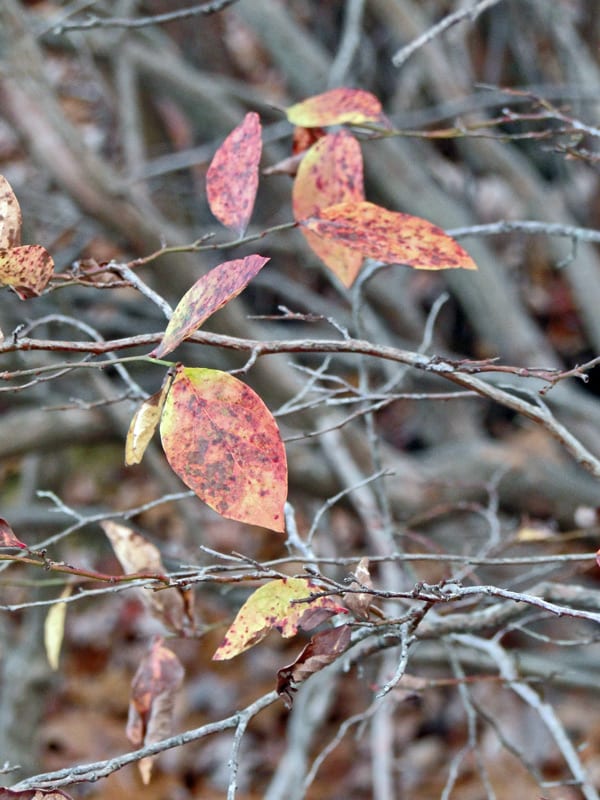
54,629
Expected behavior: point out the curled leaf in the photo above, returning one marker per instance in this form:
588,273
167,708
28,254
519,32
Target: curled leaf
275,605
10,216
153,693
210,293
54,629
389,236
170,605
7,536
26,269
337,107
223,442
143,424
360,602
330,173
324,648
232,177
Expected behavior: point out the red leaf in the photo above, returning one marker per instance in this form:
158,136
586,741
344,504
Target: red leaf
10,216
330,173
272,606
336,107
210,293
26,269
153,694
232,178
223,442
389,236
323,649
303,138
7,536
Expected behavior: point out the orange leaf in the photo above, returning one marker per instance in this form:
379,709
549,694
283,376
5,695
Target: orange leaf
210,293
223,442
10,216
330,173
389,236
7,536
273,606
336,107
153,694
232,178
26,269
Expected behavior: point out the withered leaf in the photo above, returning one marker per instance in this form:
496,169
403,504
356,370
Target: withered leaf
10,216
323,649
171,605
153,693
360,602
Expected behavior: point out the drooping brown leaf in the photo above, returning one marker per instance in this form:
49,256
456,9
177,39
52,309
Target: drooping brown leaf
34,794
153,693
210,293
275,605
223,442
323,649
330,173
171,605
232,178
143,424
360,602
7,536
338,107
26,269
389,236
10,216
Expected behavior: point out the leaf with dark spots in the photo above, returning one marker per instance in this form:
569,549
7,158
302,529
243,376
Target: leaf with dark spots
10,216
153,692
330,173
26,269
338,107
7,536
210,293
223,442
232,177
281,604
389,236
324,648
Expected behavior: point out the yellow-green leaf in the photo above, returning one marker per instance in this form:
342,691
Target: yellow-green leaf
275,605
54,629
337,107
143,424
